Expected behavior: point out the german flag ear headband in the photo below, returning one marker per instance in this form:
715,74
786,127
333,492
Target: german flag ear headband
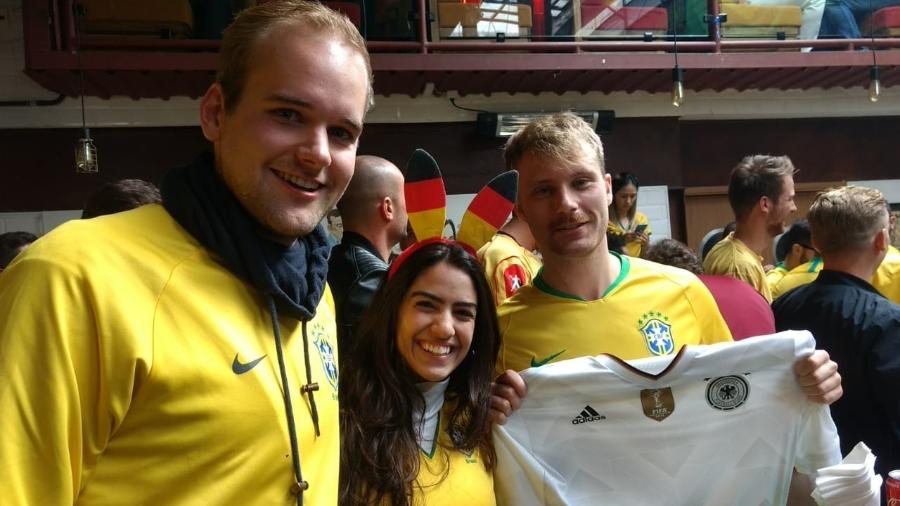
426,206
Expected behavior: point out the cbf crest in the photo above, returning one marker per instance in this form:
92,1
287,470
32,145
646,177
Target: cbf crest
657,332
326,354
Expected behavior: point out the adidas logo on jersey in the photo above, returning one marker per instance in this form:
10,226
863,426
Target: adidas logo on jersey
588,414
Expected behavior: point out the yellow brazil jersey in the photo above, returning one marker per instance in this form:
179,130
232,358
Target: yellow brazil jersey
632,248
507,265
731,257
775,275
798,276
450,478
887,277
138,370
650,309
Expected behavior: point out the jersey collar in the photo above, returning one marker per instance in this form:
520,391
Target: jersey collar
625,266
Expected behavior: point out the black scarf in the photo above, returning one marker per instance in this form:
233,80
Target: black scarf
294,276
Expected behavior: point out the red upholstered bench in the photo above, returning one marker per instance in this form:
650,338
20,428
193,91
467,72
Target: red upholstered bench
886,22
642,19
600,18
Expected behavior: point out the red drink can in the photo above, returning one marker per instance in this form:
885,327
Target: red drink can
892,485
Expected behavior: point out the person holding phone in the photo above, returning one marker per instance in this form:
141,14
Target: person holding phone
624,218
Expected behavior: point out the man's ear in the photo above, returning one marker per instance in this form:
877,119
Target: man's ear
212,112
764,204
607,178
881,241
387,209
520,214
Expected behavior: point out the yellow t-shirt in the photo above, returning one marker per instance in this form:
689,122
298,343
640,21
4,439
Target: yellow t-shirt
775,275
887,277
650,309
138,370
731,257
632,248
467,482
802,274
507,265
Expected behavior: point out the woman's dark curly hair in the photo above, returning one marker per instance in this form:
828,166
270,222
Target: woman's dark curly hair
378,394
676,254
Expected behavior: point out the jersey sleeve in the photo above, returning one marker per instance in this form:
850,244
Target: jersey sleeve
63,390
509,275
747,272
818,444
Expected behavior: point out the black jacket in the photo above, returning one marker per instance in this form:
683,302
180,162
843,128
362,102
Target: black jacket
860,329
355,271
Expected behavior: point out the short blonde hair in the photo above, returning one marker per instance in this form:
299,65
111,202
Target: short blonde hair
561,136
847,218
253,25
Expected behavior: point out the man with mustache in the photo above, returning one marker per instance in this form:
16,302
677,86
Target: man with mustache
761,194
586,300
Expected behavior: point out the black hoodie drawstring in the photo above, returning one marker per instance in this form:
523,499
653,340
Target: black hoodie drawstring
310,387
288,406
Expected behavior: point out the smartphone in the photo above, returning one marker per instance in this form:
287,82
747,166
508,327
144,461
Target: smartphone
640,228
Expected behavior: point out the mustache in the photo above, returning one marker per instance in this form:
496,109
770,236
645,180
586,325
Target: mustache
570,220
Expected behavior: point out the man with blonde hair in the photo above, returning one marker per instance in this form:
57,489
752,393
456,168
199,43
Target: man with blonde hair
185,353
586,300
761,194
858,326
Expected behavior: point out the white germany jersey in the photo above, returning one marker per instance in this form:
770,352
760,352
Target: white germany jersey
719,424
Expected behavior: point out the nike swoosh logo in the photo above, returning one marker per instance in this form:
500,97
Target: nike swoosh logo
240,368
538,363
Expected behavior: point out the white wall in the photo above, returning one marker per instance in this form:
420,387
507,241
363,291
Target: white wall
889,187
654,202
37,222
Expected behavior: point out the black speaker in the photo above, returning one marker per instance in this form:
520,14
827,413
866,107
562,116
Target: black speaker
605,121
486,124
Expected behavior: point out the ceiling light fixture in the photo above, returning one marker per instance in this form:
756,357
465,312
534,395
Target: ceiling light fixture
874,73
85,151
677,73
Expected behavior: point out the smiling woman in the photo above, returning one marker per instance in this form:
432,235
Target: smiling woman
415,390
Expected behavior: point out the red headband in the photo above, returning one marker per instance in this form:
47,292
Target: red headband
408,252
